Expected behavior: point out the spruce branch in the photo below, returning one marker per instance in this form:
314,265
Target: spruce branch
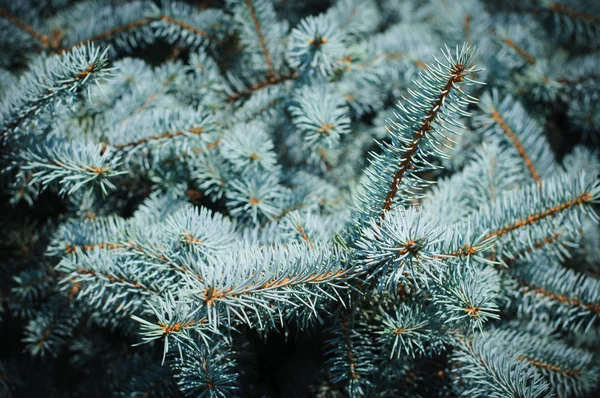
506,119
409,331
316,45
72,165
173,321
283,275
579,200
82,274
515,140
570,19
196,151
47,332
186,26
570,297
409,243
569,370
260,34
99,271
556,239
350,353
49,81
85,235
42,39
163,137
206,370
558,204
548,366
158,130
489,373
422,123
84,248
571,13
174,21
261,37
456,76
467,295
103,36
519,50
241,208
270,81
152,97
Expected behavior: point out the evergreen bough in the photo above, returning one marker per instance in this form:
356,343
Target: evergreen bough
273,198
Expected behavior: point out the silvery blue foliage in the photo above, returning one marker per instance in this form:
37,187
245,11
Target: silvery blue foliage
320,116
194,190
316,45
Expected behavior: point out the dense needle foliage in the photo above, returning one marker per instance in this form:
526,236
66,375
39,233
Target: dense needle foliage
271,198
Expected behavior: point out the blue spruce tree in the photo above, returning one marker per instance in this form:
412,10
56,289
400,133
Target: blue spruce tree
265,198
